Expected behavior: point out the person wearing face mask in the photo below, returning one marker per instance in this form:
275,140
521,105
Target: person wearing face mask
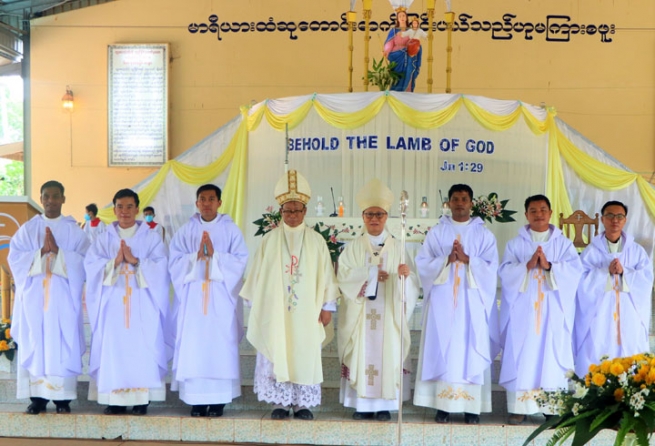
149,217
614,296
92,225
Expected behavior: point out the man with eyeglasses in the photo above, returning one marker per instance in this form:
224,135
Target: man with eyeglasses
614,297
292,292
458,266
207,262
539,274
369,323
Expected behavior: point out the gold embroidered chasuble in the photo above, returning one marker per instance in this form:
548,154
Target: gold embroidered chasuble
287,293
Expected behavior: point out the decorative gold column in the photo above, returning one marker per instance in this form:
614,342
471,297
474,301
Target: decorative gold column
450,19
351,18
430,39
367,18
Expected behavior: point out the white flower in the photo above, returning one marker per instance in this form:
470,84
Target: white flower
645,392
637,401
623,380
570,373
576,409
580,391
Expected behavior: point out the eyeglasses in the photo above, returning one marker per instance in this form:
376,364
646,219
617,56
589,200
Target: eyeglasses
371,215
618,217
293,211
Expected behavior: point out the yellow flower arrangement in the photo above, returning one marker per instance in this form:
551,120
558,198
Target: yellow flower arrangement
7,344
615,394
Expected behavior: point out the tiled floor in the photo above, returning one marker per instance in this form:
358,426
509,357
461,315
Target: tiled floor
329,428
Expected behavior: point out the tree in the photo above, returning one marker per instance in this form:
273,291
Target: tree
11,179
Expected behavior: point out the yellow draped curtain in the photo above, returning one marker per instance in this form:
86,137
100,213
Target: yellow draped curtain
560,148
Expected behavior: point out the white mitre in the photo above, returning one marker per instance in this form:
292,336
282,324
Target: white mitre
374,194
292,187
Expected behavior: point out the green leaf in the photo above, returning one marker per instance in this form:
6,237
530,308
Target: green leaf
547,425
10,354
604,416
583,432
560,436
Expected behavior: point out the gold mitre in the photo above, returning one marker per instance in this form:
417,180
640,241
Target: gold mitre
374,193
292,187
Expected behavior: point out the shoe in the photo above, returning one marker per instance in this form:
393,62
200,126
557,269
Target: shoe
383,415
198,411
471,418
279,414
442,417
115,410
516,419
63,408
363,415
303,414
38,405
141,409
216,410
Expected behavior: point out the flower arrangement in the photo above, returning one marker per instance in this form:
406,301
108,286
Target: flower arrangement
615,394
7,344
490,208
271,220
382,75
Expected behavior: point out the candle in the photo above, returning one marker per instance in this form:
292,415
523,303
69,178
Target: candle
424,208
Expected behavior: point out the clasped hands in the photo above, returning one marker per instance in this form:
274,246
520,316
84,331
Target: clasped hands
206,247
539,259
457,254
49,243
125,255
616,267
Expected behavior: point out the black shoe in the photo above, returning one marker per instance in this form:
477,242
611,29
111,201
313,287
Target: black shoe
363,415
471,418
383,415
279,414
198,411
63,406
38,405
141,409
216,410
549,417
442,417
515,419
115,410
303,414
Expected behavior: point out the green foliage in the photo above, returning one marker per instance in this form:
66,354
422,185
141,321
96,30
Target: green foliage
11,179
382,75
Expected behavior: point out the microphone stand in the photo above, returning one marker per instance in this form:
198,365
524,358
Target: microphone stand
334,203
404,200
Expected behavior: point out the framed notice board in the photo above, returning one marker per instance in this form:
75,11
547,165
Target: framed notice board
138,104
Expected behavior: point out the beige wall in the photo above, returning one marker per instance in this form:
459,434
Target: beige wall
604,90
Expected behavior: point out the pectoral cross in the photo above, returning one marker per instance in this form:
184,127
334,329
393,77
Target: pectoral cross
617,313
47,280
538,305
127,298
371,373
374,317
205,288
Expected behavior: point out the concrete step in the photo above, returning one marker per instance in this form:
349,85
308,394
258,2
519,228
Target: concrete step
328,428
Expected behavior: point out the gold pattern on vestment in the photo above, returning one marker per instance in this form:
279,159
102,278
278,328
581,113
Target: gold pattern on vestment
529,395
47,384
374,317
131,390
371,373
47,280
458,394
617,313
457,280
538,305
205,288
127,299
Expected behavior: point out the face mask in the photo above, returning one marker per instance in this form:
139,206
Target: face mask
87,217
149,218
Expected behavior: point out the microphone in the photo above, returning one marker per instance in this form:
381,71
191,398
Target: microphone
334,203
